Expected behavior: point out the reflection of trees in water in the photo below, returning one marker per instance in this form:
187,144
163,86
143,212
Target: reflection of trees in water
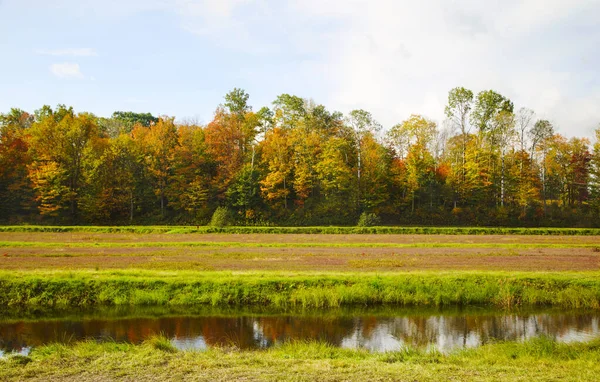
372,332
238,331
279,329
448,332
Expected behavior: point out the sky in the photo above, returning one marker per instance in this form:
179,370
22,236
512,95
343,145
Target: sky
393,58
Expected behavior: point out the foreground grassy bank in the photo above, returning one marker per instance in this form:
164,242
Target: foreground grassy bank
156,359
280,289
308,230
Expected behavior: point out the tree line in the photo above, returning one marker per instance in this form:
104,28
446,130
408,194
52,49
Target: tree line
297,163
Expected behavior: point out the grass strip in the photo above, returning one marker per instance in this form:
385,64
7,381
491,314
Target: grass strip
156,359
302,289
311,230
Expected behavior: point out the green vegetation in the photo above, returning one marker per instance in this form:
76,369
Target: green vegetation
368,220
189,285
313,289
220,218
295,163
156,359
309,230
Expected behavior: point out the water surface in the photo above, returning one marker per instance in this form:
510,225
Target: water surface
372,329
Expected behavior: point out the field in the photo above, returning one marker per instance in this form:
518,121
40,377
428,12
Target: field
286,269
297,252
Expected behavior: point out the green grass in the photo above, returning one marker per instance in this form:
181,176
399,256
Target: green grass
309,230
232,244
310,289
540,359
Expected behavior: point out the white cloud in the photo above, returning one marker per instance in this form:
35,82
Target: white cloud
398,57
66,70
80,52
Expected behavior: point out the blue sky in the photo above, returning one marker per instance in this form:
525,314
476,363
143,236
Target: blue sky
393,58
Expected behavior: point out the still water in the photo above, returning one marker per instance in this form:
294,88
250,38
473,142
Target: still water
375,330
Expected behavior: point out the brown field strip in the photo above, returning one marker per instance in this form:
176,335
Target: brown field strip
298,258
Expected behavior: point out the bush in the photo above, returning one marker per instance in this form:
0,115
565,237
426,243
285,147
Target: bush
221,217
368,220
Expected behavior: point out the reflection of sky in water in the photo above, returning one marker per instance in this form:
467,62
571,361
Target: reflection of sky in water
379,340
22,351
374,333
197,343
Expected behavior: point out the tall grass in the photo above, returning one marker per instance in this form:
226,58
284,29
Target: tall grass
504,290
540,359
309,230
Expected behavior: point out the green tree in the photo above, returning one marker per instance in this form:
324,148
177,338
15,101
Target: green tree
488,105
129,119
243,196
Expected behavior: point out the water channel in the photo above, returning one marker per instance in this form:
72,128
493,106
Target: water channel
373,329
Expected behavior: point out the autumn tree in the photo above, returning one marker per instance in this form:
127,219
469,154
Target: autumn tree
230,138
276,159
540,135
60,143
158,146
15,188
595,175
416,134
458,108
295,162
335,174
361,124
114,181
500,136
189,190
523,121
375,175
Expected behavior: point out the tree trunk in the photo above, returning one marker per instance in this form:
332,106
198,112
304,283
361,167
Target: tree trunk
502,182
162,202
544,182
285,194
359,164
131,205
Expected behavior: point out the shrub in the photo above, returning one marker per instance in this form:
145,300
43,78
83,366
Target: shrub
221,217
368,220
162,343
